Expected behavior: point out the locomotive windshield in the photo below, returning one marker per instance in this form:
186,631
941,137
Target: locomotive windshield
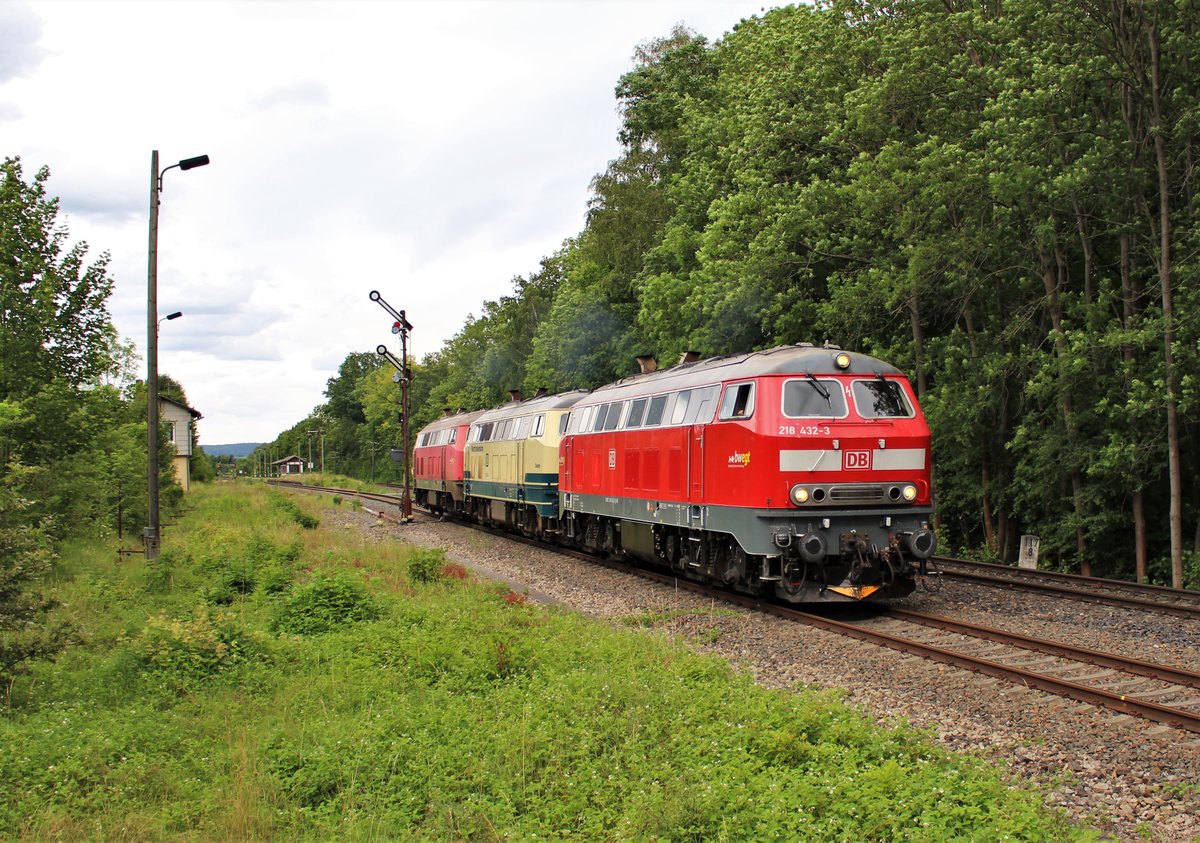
814,397
881,399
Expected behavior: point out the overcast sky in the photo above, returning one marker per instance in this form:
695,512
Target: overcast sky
429,150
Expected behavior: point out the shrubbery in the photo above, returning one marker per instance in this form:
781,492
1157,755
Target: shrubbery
324,604
462,713
426,565
191,649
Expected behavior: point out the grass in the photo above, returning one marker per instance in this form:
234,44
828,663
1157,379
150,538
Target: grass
265,679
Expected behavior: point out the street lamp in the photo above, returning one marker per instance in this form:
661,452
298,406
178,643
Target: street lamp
156,183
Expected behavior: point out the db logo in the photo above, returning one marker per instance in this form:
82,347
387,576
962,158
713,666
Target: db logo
856,460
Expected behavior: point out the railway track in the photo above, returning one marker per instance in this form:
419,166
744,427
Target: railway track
1182,603
1159,693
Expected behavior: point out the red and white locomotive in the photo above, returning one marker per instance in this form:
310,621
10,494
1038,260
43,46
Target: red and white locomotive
438,462
799,470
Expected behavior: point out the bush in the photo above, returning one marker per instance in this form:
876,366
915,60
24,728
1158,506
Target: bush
324,604
160,572
193,649
288,506
426,565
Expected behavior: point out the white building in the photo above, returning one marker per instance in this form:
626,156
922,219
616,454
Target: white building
179,420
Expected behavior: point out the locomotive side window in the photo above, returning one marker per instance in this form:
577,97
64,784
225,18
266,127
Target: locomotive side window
880,399
562,423
681,405
655,413
539,425
574,420
614,415
524,426
738,402
814,398
637,410
601,414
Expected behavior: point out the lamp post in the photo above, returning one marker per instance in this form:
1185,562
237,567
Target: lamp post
151,534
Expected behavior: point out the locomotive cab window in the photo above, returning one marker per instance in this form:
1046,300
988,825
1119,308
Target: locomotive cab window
814,397
738,402
562,424
453,436
539,426
881,399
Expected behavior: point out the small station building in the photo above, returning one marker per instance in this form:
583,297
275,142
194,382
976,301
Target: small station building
180,420
288,465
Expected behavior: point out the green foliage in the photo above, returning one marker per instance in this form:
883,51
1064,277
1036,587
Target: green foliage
323,604
188,650
28,632
439,713
425,565
288,506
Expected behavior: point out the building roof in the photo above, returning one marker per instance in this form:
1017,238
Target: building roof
194,413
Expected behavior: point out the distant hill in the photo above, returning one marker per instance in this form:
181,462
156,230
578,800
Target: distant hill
239,449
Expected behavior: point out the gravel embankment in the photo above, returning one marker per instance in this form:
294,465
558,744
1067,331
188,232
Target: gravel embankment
1133,779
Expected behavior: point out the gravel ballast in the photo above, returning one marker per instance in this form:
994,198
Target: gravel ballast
1130,778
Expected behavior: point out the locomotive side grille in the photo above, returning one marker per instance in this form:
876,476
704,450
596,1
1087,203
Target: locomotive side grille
856,494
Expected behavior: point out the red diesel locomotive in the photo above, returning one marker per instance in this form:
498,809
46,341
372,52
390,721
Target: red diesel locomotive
438,462
797,470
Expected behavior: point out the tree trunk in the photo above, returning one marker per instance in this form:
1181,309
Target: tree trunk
1129,310
914,312
1164,276
1050,280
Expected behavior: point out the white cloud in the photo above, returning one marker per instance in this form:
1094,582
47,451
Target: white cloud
429,150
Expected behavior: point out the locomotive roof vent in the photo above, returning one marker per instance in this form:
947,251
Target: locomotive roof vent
540,392
689,357
834,346
447,412
804,345
514,395
647,363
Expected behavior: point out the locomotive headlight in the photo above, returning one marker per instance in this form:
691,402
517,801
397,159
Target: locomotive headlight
842,361
799,495
909,492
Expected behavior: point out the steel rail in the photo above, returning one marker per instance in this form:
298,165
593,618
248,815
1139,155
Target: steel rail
1088,582
1162,672
1174,609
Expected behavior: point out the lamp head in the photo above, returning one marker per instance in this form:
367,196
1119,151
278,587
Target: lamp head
190,163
